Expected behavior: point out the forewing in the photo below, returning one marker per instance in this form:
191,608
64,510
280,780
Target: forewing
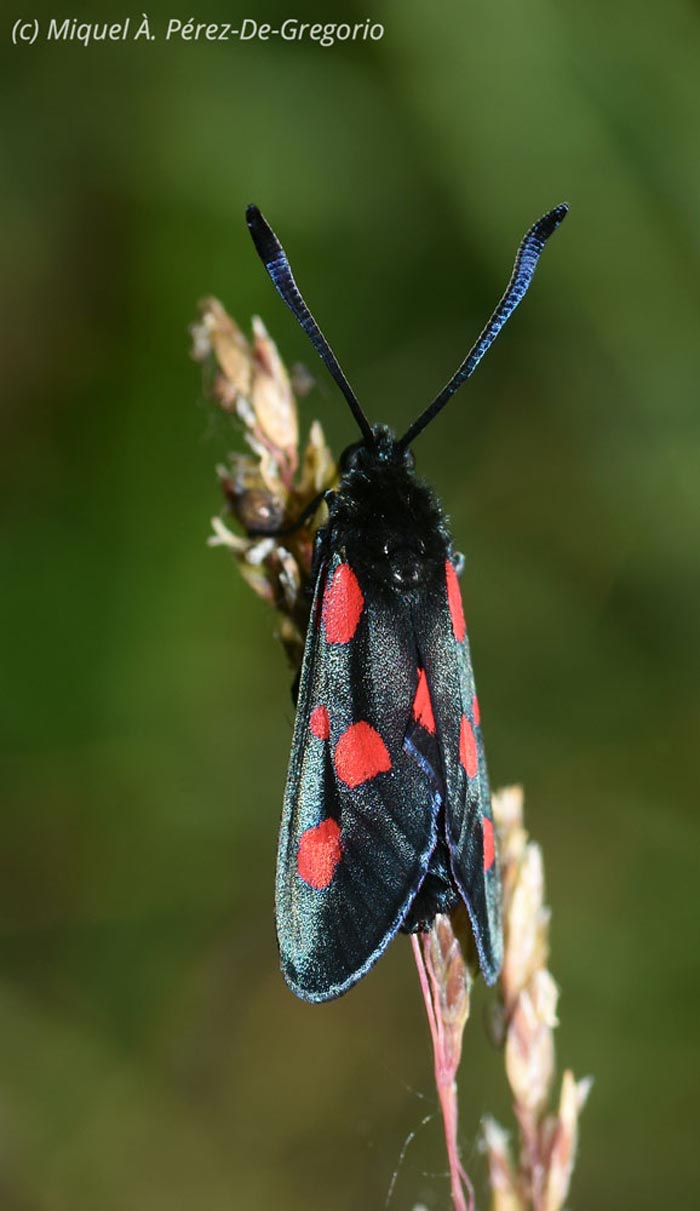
359,818
444,652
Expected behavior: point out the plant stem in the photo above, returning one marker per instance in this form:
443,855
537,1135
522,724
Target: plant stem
446,1062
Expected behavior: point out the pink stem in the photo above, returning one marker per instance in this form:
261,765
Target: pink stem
424,985
445,1072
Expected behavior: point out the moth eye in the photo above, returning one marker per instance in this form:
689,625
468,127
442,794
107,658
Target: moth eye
351,457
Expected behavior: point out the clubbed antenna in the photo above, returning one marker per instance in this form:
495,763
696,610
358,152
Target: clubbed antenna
526,259
274,258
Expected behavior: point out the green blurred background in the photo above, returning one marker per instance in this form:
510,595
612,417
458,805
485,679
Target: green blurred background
150,1054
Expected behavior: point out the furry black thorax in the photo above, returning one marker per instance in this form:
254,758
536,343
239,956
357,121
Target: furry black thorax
387,520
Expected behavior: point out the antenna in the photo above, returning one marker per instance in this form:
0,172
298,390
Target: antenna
274,258
526,259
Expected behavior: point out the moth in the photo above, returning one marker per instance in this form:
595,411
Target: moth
387,811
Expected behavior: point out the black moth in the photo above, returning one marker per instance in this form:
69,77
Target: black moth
387,811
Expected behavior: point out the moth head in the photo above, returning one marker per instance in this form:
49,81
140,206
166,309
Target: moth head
385,449
275,260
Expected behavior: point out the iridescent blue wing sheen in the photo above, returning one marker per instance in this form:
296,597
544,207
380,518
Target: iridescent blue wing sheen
360,813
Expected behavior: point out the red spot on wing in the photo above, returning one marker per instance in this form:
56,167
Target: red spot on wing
422,706
360,754
320,723
343,604
489,843
467,747
454,600
476,713
319,853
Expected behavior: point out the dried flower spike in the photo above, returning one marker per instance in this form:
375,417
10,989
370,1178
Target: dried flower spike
540,1180
269,490
446,981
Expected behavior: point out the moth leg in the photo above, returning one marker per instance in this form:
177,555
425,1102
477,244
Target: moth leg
294,525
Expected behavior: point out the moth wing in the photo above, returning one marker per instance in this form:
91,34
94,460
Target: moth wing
445,655
360,815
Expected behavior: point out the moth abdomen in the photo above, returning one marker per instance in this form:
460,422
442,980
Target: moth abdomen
437,893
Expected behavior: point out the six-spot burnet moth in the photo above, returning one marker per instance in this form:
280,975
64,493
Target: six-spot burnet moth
387,811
